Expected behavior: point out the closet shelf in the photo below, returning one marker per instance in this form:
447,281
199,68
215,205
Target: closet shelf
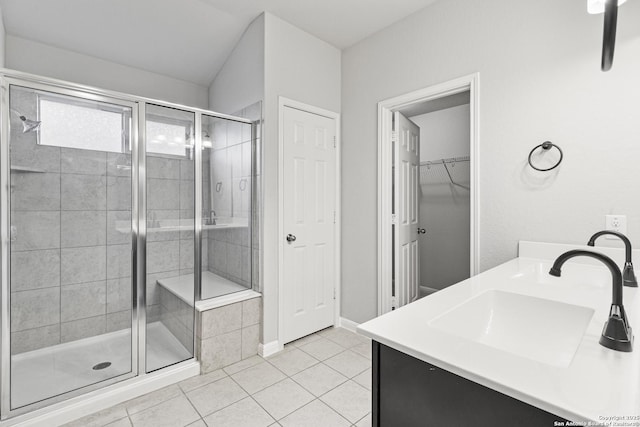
446,163
443,161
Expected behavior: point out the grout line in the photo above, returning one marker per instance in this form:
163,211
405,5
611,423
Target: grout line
204,385
192,405
152,406
232,403
264,409
368,413
330,390
342,351
327,405
277,382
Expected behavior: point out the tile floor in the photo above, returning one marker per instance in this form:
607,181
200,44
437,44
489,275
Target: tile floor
321,380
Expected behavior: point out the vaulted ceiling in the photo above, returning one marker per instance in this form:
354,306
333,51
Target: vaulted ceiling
188,39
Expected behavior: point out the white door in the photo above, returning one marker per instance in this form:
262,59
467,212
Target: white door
406,175
309,171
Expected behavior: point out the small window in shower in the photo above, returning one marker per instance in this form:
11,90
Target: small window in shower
83,124
167,136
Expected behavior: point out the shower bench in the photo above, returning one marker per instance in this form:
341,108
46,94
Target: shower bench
227,322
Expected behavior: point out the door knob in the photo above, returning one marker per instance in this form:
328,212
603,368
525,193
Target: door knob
421,230
291,238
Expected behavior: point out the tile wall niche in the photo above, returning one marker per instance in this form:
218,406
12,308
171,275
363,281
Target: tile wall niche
70,263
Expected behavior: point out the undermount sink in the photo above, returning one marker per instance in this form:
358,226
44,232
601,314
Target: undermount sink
539,329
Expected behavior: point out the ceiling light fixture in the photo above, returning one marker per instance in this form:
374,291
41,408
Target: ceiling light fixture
595,7
610,10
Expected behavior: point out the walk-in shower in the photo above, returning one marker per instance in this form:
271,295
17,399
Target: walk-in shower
114,209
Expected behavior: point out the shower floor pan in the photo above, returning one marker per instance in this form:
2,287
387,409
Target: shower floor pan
48,372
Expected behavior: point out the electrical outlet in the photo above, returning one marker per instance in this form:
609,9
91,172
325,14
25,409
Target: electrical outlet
616,223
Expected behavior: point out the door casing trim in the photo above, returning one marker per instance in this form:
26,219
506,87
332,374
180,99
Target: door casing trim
386,108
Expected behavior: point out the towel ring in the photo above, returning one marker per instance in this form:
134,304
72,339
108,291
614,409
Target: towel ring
547,145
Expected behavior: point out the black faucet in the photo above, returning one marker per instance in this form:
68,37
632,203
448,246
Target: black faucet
628,276
617,334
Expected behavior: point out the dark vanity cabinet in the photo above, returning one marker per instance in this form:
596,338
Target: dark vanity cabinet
408,392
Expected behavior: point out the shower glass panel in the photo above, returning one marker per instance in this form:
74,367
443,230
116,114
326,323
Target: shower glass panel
227,152
170,235
70,250
100,227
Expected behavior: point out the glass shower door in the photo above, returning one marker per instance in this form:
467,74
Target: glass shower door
170,235
227,157
70,251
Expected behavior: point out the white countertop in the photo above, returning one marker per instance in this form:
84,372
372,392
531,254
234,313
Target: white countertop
597,383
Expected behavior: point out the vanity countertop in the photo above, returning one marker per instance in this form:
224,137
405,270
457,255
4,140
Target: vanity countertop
596,384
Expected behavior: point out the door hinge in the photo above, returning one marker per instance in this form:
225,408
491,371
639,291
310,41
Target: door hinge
394,136
334,141
393,303
394,219
334,293
334,217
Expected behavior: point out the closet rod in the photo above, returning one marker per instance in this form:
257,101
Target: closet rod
444,162
449,160
451,179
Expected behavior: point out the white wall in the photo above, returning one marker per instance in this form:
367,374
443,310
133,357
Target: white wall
444,133
444,208
275,58
240,81
302,67
539,79
37,58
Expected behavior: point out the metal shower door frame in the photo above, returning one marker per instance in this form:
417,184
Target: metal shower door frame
6,81
138,226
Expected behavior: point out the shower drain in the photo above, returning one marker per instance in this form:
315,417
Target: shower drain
101,365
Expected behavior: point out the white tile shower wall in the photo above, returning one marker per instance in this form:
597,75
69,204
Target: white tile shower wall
228,334
177,316
170,196
63,262
231,168
232,254
65,255
71,259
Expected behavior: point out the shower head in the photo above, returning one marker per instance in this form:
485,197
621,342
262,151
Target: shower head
28,125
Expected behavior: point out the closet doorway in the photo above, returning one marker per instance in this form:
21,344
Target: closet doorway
427,192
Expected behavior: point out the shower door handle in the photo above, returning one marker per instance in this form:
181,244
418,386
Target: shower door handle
291,238
421,231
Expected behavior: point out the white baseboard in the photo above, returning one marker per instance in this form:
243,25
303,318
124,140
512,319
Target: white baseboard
269,349
349,325
78,407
